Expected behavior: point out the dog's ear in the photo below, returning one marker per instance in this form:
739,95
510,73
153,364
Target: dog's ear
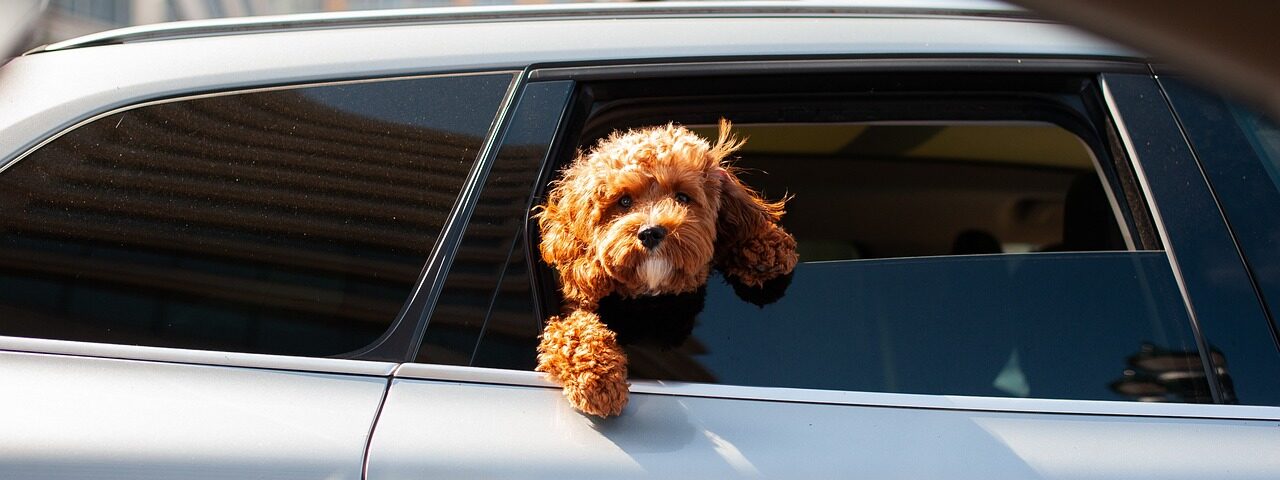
751,248
565,222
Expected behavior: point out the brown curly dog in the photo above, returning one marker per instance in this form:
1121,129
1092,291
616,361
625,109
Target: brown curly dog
646,212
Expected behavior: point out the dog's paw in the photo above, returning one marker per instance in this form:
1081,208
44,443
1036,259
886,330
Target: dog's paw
599,395
757,260
582,355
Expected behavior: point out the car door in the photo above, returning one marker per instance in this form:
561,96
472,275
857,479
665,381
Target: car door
1090,342
200,287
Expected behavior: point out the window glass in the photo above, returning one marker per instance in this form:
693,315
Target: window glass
290,221
487,292
991,325
1239,152
1263,136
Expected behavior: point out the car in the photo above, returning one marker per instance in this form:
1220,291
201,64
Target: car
302,247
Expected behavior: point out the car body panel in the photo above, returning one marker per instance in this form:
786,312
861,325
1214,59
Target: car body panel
427,428
507,13
77,417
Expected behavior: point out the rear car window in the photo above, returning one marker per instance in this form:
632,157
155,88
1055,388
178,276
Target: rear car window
288,221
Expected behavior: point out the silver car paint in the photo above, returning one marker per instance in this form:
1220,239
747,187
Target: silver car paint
452,429
76,417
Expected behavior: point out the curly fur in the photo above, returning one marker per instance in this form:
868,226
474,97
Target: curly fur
674,180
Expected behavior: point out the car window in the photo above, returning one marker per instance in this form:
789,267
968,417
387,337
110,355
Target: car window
287,221
1239,151
975,246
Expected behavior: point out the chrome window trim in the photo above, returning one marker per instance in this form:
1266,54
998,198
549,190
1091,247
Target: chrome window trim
1157,222
520,378
196,357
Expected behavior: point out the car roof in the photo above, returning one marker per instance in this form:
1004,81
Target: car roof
47,92
514,13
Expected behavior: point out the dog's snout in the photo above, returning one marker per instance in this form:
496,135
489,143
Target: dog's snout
650,237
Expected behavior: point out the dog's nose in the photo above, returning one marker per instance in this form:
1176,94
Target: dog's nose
650,237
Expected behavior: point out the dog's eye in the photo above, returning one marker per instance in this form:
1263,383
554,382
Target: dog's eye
683,198
625,201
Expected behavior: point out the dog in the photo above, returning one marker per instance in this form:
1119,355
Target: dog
644,214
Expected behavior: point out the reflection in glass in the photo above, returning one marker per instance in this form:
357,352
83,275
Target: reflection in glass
483,315
264,222
1156,374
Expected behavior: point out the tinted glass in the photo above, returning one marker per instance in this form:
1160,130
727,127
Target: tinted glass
1093,326
992,325
293,221
487,291
1239,151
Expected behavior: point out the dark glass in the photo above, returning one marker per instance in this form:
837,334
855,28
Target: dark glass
1239,150
1228,314
1043,325
288,222
1089,326
488,279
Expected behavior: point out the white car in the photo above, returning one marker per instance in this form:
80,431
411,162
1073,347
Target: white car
299,247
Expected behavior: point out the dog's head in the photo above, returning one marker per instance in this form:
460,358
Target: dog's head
645,212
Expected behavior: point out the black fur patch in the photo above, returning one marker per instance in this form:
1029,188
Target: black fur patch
772,290
664,321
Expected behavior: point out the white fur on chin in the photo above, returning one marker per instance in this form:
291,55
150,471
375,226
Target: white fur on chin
654,272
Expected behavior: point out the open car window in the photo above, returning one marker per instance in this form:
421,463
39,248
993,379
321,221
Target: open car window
980,242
